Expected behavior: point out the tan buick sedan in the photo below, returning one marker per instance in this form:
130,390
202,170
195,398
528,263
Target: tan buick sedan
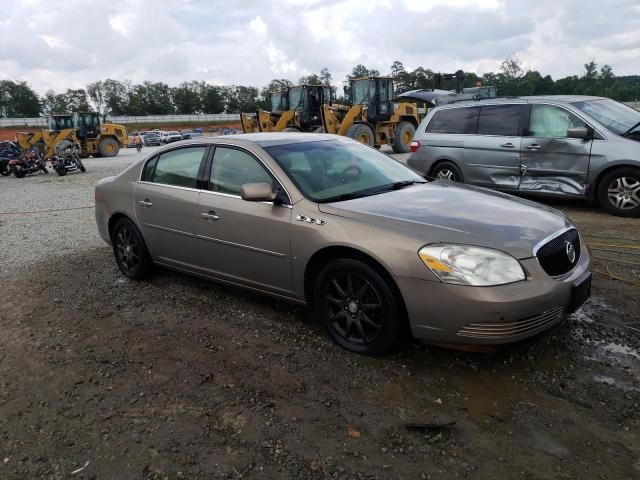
378,252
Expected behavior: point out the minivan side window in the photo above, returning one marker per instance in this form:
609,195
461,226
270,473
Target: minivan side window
454,121
502,120
179,167
549,121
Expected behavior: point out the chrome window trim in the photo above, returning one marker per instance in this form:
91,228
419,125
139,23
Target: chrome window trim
230,195
143,182
547,239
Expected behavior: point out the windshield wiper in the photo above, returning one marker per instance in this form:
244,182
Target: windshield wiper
404,183
631,129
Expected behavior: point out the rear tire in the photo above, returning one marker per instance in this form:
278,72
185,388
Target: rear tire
404,135
130,251
6,171
447,171
82,167
108,147
619,192
61,171
357,308
361,132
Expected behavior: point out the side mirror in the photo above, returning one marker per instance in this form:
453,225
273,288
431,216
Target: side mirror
580,132
257,192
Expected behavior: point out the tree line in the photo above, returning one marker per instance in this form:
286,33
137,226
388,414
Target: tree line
115,97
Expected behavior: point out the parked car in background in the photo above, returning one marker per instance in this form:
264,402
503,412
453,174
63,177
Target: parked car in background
173,136
186,134
373,248
152,138
562,146
163,136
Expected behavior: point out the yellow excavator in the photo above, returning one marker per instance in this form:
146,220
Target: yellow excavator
296,109
374,118
83,128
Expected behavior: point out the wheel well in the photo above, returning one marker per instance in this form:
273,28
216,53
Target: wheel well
328,254
114,218
442,160
592,193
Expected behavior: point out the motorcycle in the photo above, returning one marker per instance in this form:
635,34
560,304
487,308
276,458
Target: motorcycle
8,150
67,159
30,162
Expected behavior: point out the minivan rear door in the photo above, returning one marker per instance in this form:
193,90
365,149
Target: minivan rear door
492,155
552,162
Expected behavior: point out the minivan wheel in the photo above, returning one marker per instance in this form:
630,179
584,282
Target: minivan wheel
357,308
447,171
130,251
619,192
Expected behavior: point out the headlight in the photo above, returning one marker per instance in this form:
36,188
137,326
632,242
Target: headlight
466,265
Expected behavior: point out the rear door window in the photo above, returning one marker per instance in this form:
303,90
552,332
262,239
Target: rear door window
454,121
502,120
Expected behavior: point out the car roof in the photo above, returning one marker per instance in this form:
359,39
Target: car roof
268,139
522,99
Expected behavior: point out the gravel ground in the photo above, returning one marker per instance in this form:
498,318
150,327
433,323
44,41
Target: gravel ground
180,378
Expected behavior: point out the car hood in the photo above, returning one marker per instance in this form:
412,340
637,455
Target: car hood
441,211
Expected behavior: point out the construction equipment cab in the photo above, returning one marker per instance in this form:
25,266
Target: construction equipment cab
99,140
374,118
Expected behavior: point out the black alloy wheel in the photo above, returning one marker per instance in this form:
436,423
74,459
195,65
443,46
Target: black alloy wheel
357,308
130,251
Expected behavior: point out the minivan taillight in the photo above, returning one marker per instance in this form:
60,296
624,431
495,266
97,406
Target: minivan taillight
415,145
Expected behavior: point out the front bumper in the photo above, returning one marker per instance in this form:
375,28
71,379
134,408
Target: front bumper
445,313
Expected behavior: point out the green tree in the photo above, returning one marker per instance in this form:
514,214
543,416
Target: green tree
76,100
325,76
312,79
53,102
18,99
186,98
116,96
211,98
96,93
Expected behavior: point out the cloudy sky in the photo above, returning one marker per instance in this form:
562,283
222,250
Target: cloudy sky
60,44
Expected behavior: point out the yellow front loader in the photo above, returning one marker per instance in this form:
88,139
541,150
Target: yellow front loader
374,118
94,138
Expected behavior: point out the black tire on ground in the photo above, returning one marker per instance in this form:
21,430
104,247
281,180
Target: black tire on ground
6,171
447,171
82,167
291,129
44,169
619,192
358,309
130,251
404,135
61,171
319,130
17,171
362,133
108,147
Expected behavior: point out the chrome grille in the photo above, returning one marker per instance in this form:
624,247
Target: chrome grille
553,255
511,329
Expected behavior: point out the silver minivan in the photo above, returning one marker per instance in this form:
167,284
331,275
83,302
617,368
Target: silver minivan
557,145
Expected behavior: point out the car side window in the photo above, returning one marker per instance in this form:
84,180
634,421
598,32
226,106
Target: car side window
232,168
502,120
549,121
179,167
147,173
454,121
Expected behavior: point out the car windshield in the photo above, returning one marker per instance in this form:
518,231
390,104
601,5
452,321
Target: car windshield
617,117
340,169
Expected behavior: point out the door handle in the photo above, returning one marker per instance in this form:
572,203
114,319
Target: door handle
507,145
145,203
211,216
535,146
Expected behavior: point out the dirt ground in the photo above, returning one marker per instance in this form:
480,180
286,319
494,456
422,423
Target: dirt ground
176,377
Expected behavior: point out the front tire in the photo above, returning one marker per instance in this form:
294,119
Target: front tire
619,192
17,170
361,132
358,308
404,135
447,171
108,147
130,251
